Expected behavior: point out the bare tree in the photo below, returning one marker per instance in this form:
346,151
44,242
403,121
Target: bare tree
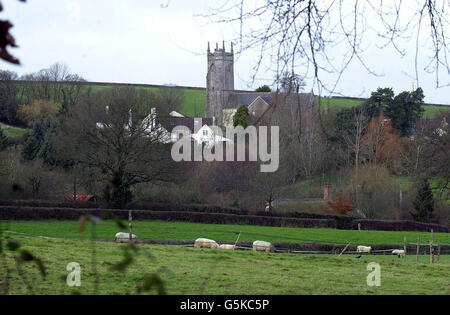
306,33
55,83
353,137
8,96
106,132
302,145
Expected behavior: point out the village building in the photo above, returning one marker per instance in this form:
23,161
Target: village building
222,100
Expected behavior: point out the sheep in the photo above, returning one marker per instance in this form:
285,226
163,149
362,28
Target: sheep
122,237
205,243
262,246
364,249
227,247
398,252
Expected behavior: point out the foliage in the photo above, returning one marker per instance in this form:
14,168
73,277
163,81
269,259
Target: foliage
404,110
39,141
340,205
263,88
54,84
378,100
376,192
424,202
240,118
8,96
380,143
36,111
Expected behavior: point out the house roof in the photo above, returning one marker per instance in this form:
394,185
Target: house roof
175,114
171,122
79,198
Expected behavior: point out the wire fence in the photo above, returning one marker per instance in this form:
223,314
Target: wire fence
297,243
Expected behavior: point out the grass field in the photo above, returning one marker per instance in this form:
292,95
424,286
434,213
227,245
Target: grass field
431,111
203,271
194,99
226,233
11,131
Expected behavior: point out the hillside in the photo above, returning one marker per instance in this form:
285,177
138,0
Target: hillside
431,110
195,98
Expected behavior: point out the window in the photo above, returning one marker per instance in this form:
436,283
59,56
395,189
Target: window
205,132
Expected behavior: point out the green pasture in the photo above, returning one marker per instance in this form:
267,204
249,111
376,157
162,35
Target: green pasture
205,271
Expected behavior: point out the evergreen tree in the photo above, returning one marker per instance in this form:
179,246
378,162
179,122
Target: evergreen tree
378,100
423,203
39,141
405,110
264,88
241,117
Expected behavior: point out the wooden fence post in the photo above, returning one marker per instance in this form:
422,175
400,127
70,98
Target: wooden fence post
344,249
431,247
237,240
439,250
404,246
130,224
418,249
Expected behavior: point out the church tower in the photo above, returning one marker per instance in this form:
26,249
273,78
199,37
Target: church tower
219,80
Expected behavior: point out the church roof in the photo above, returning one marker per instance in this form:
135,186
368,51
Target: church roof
237,99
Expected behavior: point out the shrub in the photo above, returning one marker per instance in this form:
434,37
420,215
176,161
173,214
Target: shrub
386,225
424,202
39,109
48,204
33,213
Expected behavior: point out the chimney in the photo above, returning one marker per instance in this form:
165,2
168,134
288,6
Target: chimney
327,192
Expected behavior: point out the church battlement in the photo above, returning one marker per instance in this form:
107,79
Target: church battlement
221,51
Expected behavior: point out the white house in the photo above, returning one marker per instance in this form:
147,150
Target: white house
171,129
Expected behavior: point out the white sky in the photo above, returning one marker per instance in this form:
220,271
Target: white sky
136,41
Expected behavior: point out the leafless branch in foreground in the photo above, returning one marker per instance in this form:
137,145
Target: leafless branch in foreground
306,34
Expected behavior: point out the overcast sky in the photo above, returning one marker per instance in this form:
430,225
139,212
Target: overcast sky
147,42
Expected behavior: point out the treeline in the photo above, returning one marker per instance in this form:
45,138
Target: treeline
55,89
103,143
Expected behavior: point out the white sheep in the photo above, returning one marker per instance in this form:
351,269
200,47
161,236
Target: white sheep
227,247
262,246
398,252
122,237
364,249
205,243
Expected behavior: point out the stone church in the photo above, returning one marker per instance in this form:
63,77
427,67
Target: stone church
222,100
